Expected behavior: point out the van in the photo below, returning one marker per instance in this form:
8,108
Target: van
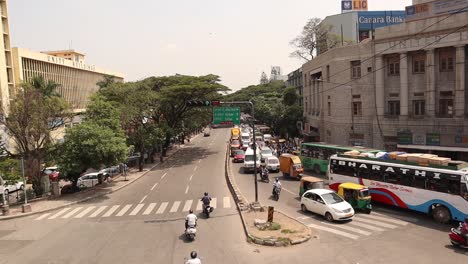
267,137
249,160
291,166
245,137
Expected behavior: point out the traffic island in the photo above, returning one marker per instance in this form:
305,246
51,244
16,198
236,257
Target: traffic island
282,231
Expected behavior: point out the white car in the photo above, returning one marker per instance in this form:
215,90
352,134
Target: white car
10,187
327,203
88,180
265,152
272,164
267,137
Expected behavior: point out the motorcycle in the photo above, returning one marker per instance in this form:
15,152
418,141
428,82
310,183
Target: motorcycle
457,238
207,210
190,233
264,177
276,193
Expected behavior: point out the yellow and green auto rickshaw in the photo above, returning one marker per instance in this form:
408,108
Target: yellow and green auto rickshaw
357,195
308,183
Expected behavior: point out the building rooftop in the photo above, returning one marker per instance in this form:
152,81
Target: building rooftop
57,52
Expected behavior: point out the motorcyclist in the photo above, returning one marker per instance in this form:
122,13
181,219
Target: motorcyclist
206,200
276,185
190,220
193,258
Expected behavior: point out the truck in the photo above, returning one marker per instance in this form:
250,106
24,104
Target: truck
235,131
291,166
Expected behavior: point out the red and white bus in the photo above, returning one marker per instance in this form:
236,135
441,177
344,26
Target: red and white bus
439,191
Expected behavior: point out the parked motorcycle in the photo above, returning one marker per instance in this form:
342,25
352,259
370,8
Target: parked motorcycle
190,233
276,193
457,238
207,210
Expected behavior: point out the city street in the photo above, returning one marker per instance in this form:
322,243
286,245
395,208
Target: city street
144,223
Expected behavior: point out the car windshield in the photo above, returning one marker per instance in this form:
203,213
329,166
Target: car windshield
266,152
332,198
272,161
235,142
249,158
240,152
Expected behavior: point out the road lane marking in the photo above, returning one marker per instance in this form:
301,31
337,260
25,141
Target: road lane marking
162,208
61,212
143,199
85,211
149,209
366,226
111,211
199,206
43,216
227,202
374,223
196,167
154,186
348,228
137,209
186,190
405,218
72,212
302,218
174,207
213,202
187,206
124,210
293,193
337,232
386,219
98,211
164,175
191,177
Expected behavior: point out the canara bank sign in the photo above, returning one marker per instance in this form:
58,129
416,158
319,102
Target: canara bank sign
381,20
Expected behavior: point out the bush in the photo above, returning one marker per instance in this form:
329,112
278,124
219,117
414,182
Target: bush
274,226
288,231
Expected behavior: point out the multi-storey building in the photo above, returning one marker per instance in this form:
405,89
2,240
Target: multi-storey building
404,89
6,66
295,80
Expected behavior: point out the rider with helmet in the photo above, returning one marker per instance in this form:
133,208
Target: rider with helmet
206,200
193,258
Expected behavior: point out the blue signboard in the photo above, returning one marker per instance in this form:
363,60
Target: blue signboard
375,19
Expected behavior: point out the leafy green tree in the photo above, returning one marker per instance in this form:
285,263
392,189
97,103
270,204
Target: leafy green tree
10,169
35,111
290,96
107,81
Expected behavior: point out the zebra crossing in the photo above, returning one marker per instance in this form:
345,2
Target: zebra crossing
362,225
154,208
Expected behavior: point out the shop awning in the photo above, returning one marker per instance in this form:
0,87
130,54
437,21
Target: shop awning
439,148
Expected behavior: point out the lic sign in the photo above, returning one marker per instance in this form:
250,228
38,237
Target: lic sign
354,5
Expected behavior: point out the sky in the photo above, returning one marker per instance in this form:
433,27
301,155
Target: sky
236,40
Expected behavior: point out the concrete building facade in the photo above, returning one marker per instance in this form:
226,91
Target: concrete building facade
7,81
77,80
405,89
295,80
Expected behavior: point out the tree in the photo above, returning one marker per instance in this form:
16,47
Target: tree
107,81
35,112
315,37
89,145
290,96
264,78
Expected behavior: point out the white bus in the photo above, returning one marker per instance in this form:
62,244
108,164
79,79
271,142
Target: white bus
440,192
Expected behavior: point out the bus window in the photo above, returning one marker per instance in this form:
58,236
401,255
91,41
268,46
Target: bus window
407,180
392,178
454,187
464,191
419,182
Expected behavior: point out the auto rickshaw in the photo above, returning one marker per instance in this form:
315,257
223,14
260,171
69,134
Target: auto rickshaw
308,183
357,195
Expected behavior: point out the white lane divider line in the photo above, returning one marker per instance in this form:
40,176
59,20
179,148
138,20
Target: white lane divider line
164,175
187,205
154,186
98,211
375,223
394,216
386,219
284,189
124,210
195,169
137,209
85,211
111,211
42,216
61,212
174,207
302,218
143,199
366,226
149,209
199,206
162,208
337,232
213,202
348,228
190,177
72,212
227,202
186,189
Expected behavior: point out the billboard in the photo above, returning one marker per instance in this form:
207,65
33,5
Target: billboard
353,5
435,8
375,19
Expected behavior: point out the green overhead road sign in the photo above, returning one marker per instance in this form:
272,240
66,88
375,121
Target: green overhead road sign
226,115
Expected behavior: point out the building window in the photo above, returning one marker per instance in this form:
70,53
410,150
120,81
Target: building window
328,73
446,60
419,63
329,108
357,108
355,69
419,107
446,107
394,108
394,65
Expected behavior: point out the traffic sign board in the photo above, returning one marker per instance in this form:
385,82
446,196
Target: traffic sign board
223,115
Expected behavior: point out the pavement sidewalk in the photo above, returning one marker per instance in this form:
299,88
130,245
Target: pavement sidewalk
118,182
